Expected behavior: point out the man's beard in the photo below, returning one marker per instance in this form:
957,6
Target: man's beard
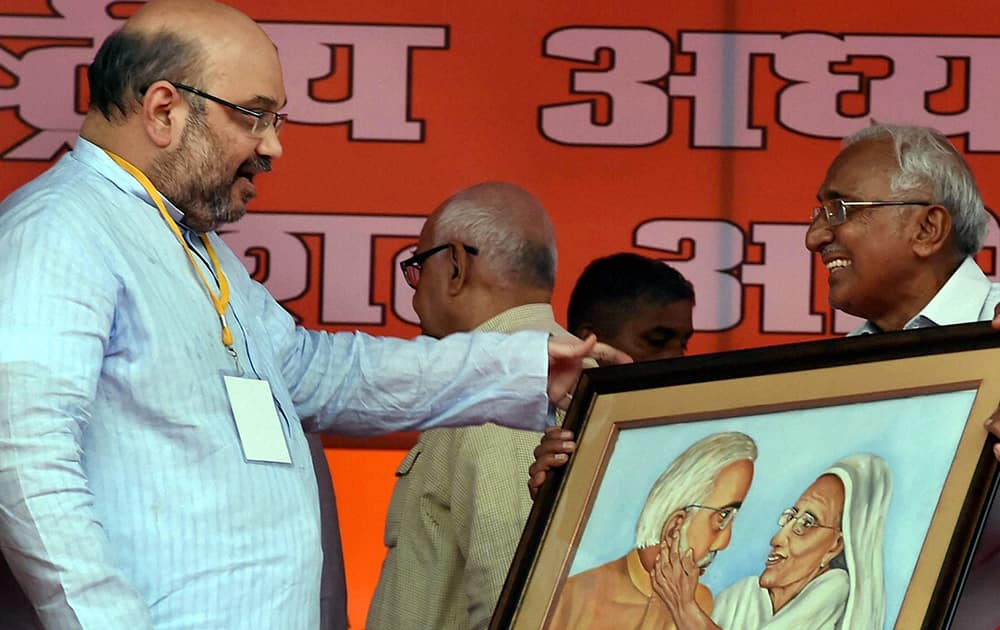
194,178
709,556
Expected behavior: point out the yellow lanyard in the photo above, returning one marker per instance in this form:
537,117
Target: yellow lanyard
221,301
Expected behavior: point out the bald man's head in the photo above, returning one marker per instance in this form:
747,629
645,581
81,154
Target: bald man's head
509,223
193,42
491,248
192,15
189,92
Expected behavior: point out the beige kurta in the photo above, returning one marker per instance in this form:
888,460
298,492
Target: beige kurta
456,516
617,595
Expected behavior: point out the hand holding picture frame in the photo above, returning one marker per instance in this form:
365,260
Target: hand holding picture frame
873,446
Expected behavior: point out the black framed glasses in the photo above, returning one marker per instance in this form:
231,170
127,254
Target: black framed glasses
835,210
262,118
411,266
724,515
801,523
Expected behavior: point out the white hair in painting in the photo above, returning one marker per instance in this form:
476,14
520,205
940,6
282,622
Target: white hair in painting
690,479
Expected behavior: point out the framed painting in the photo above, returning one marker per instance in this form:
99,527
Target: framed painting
841,483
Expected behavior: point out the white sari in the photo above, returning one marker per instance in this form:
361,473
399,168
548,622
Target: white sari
820,605
837,599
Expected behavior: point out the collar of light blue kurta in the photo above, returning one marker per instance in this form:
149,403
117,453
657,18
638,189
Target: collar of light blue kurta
959,301
93,156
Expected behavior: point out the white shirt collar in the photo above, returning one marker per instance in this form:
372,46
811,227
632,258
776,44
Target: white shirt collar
959,301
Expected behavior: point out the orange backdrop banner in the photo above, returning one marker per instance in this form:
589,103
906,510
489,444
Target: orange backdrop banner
693,132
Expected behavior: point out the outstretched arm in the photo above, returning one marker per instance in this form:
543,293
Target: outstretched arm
355,384
566,361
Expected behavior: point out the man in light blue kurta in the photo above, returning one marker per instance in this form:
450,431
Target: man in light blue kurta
126,499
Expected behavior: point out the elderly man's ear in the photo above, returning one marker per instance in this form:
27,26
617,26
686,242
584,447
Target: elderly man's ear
461,262
933,231
672,526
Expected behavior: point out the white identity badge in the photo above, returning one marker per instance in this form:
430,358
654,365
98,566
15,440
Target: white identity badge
257,420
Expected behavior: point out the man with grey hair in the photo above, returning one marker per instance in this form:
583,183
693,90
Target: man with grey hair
899,221
695,499
486,260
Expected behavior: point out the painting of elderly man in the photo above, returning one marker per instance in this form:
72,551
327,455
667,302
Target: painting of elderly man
822,568
694,500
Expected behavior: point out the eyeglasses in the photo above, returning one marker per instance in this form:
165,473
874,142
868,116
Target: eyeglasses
724,516
801,522
411,266
263,119
835,210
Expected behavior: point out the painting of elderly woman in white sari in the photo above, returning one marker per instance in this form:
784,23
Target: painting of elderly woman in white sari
824,569
809,542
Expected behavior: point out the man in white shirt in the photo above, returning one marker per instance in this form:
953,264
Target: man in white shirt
899,220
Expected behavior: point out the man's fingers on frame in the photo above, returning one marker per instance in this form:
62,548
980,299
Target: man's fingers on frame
541,454
549,461
536,480
555,435
549,448
538,468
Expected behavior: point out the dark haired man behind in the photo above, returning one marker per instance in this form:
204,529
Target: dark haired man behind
155,472
637,304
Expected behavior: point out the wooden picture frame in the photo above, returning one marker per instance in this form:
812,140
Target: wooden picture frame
916,399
